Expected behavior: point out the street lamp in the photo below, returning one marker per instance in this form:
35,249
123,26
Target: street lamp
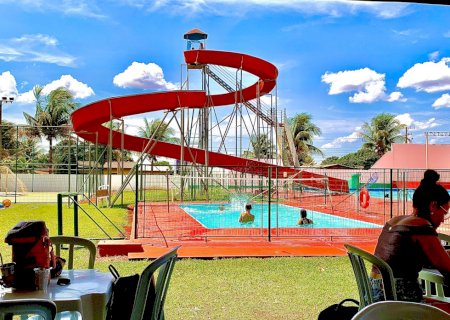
2,101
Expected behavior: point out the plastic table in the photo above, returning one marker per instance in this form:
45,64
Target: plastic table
87,293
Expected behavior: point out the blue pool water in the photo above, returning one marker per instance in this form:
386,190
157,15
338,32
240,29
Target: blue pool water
211,217
385,193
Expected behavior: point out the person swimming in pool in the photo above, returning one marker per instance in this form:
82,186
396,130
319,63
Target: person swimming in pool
221,207
303,219
246,216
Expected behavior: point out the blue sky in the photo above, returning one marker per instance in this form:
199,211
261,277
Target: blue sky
343,62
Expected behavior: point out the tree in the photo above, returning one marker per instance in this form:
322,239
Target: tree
8,139
383,130
262,146
303,132
158,130
52,115
363,158
330,160
30,149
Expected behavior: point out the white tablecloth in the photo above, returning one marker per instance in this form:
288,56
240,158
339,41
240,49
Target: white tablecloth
88,293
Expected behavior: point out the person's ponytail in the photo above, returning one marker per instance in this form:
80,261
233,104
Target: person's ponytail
430,177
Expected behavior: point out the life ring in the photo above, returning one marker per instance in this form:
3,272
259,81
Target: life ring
364,198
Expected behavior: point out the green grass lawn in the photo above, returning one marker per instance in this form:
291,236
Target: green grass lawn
250,288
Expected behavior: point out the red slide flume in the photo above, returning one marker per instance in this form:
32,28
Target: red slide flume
88,121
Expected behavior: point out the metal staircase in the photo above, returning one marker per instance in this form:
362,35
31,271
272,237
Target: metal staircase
264,114
284,135
286,145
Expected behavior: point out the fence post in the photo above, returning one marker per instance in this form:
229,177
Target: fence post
168,196
60,214
17,152
391,193
75,215
136,201
269,201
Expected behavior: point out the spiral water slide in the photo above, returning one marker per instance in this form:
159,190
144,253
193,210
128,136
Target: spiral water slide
88,121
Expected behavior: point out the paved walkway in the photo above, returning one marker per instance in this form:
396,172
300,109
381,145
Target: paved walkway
231,248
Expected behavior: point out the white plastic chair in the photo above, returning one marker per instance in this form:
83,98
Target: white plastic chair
39,309
433,281
395,310
102,193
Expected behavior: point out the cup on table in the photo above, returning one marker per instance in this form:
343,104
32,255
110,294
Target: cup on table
8,274
42,278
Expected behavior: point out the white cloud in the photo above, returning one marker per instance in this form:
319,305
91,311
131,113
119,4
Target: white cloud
78,89
85,8
428,76
442,102
405,119
35,47
38,38
338,142
368,84
26,97
423,125
396,96
433,56
447,34
8,86
334,8
415,125
143,76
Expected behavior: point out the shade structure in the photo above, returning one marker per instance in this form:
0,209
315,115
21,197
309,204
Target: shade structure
415,156
195,34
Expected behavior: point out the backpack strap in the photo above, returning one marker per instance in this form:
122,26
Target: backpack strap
345,300
114,271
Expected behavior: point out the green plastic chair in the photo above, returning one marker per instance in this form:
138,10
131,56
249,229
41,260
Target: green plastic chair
150,297
72,242
395,310
38,308
433,282
357,257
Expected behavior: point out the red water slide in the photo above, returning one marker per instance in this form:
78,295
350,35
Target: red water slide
88,121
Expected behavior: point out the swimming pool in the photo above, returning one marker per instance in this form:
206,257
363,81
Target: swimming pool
385,193
211,217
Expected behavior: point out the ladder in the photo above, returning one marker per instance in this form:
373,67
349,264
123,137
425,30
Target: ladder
264,116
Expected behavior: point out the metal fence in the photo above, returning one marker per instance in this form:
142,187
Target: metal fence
187,203
201,202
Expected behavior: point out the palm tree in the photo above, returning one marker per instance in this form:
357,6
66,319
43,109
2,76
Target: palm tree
262,146
383,130
303,132
158,130
52,115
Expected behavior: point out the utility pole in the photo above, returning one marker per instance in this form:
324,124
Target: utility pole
2,101
407,140
406,135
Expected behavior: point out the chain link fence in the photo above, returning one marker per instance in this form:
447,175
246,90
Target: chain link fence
192,201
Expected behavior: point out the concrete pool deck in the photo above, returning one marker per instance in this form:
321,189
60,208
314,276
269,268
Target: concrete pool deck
161,226
233,248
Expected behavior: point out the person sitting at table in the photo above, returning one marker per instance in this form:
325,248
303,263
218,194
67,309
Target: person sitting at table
246,216
303,219
410,242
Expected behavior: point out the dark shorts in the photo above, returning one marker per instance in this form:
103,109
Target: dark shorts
407,290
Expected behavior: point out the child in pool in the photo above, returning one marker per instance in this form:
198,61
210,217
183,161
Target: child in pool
246,216
303,219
